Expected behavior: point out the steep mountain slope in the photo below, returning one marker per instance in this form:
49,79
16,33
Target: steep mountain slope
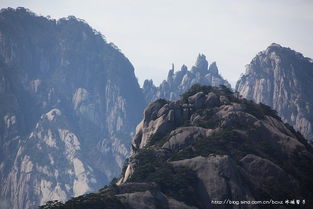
205,148
68,104
180,81
283,79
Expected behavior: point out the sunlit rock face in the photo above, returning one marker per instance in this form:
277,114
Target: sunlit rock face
208,146
282,78
178,82
68,104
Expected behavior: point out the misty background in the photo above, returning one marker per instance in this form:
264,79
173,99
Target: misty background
155,34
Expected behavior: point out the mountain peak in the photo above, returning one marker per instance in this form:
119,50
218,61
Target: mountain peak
20,10
178,82
275,45
213,138
201,63
213,68
276,75
184,68
286,52
66,81
148,83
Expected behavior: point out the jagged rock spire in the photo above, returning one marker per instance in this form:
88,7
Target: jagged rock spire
180,81
171,73
184,68
201,63
213,68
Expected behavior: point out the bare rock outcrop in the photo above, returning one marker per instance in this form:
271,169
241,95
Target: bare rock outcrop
226,149
69,101
282,78
179,82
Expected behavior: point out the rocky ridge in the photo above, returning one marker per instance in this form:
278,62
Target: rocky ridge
282,78
68,104
209,145
180,81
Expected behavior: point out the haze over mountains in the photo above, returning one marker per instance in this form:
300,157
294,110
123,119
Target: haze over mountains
70,102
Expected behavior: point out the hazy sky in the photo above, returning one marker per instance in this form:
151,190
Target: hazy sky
154,34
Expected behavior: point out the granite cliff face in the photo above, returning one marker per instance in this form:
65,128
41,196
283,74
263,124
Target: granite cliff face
180,81
68,104
282,78
211,145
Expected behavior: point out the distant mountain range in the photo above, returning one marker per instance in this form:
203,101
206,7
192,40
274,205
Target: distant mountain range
178,82
70,102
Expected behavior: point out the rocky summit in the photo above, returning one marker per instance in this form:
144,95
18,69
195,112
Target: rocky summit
282,78
179,82
208,147
68,104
